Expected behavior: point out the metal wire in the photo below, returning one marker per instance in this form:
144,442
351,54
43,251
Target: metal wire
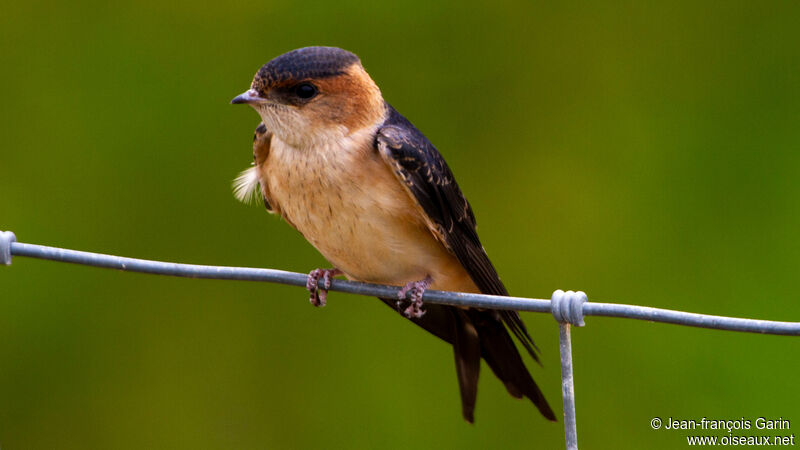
567,386
568,308
433,296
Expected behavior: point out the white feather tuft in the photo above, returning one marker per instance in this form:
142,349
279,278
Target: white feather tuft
246,186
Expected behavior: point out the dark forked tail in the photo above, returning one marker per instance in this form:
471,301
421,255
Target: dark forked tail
474,334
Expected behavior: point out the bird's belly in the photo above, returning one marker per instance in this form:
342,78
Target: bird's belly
362,220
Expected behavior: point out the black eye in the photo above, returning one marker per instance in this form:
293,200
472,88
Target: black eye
305,90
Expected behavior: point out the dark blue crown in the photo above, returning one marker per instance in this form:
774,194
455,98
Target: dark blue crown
307,62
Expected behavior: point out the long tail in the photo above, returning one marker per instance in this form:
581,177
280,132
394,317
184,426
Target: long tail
499,351
475,334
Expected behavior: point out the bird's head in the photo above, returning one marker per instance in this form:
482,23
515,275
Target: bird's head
313,94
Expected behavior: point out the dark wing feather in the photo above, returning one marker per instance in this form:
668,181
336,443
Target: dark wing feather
262,139
417,163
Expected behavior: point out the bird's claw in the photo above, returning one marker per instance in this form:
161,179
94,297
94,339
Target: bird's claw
319,294
417,288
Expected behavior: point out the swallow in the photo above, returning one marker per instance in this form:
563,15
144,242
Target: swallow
372,194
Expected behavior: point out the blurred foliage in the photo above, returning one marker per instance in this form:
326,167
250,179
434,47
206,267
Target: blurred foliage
647,153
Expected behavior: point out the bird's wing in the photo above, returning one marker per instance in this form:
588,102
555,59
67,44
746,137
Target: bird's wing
420,167
248,184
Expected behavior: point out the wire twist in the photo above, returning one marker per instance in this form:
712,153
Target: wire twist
568,307
6,238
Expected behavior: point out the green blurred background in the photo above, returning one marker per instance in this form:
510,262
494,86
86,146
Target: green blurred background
647,154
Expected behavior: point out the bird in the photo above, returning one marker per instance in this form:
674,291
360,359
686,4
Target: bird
373,195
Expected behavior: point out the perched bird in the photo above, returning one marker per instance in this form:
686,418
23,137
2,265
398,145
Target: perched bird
374,196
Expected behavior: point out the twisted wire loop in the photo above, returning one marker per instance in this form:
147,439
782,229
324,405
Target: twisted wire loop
6,238
568,307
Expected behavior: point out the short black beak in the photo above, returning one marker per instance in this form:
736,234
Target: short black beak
250,97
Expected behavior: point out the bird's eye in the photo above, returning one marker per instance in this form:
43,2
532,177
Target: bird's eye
305,90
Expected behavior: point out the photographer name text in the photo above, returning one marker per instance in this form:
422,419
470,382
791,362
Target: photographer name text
760,423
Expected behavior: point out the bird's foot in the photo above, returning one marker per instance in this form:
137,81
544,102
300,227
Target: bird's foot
319,294
417,288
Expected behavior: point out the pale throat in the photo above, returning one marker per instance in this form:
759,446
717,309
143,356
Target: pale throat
297,130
